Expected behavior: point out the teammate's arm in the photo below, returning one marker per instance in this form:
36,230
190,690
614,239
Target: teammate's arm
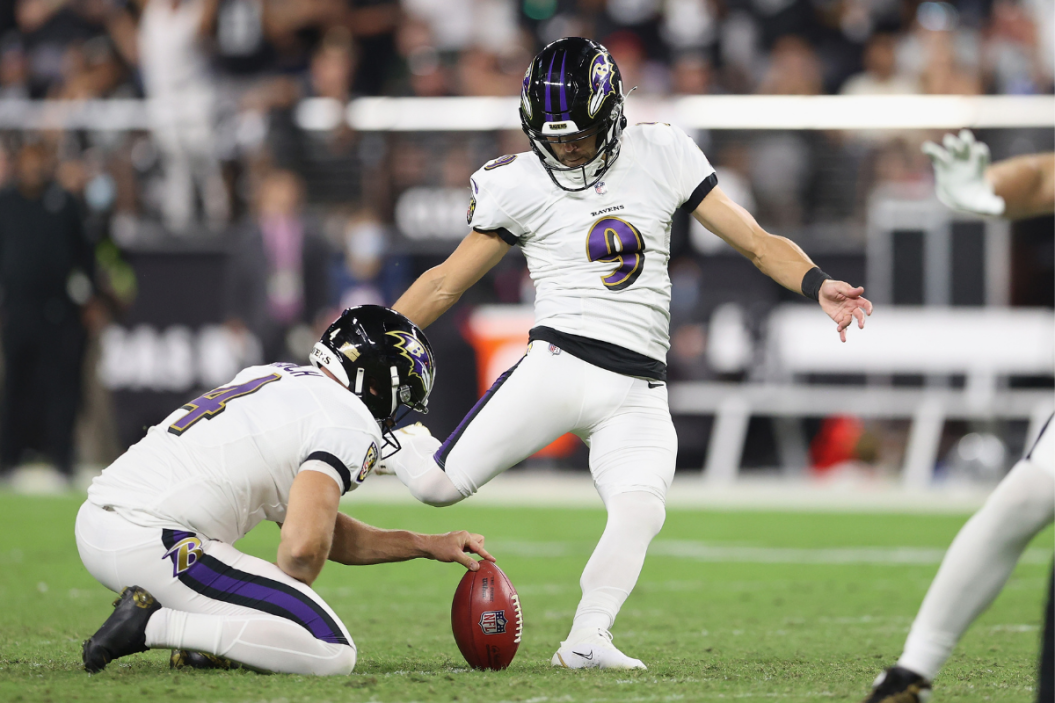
357,543
964,179
1026,183
779,258
439,288
307,532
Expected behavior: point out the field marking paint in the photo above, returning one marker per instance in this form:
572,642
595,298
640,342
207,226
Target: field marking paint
745,554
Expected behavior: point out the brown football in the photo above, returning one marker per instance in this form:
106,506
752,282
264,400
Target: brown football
486,618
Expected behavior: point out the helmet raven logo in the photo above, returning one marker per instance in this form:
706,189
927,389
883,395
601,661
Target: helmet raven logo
414,351
600,82
524,100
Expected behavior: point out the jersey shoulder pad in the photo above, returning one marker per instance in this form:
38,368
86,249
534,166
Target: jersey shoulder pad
504,172
500,162
654,135
502,191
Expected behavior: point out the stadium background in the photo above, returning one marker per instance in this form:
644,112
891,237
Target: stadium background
183,128
797,581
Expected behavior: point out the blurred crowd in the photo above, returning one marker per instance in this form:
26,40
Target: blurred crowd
316,220
342,48
225,78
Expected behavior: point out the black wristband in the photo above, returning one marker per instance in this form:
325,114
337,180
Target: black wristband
812,281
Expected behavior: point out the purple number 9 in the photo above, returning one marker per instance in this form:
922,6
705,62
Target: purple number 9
615,241
215,402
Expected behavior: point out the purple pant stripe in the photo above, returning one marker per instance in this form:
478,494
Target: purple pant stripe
441,454
301,611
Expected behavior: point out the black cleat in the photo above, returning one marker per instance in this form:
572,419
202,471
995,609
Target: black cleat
899,685
123,633
182,658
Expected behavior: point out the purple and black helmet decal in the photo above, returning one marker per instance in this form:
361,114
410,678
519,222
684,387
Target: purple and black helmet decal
525,103
418,354
600,82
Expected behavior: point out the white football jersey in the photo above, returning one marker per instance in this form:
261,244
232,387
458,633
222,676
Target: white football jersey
598,257
225,461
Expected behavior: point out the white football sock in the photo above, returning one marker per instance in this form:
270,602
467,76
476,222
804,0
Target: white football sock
420,473
633,520
267,643
978,564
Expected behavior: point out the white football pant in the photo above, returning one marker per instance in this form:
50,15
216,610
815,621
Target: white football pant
624,421
214,598
982,557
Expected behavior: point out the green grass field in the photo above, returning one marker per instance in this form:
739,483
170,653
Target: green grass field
744,605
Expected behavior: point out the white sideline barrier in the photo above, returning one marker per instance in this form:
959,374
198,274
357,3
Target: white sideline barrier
727,112
733,404
983,344
915,340
850,112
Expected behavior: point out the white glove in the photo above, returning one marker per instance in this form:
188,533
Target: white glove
959,174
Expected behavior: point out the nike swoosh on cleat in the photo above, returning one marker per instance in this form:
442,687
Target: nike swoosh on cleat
587,657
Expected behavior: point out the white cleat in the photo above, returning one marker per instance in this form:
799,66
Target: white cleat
406,436
593,650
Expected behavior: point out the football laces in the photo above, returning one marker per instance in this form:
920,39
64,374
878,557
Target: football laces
520,617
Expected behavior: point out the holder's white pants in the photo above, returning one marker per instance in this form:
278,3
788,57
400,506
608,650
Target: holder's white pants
214,598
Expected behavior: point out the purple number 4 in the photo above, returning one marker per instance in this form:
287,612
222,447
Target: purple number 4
215,402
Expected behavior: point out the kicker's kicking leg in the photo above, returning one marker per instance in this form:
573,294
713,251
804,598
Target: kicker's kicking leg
529,406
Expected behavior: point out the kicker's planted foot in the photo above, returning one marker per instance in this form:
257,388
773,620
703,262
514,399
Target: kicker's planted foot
899,685
593,649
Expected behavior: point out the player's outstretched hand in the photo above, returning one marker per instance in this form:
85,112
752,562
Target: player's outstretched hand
959,174
457,546
844,303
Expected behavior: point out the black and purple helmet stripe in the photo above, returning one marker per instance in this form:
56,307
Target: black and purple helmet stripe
551,114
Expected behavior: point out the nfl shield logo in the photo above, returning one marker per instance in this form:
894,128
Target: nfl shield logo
600,189
493,622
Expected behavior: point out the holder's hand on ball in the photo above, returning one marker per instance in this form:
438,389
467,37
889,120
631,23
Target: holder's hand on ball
457,546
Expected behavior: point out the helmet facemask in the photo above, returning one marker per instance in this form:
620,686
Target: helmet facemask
585,175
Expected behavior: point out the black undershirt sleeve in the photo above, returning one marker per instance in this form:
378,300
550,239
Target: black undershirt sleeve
701,192
503,234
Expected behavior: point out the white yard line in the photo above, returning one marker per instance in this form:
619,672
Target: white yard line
746,554
539,488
